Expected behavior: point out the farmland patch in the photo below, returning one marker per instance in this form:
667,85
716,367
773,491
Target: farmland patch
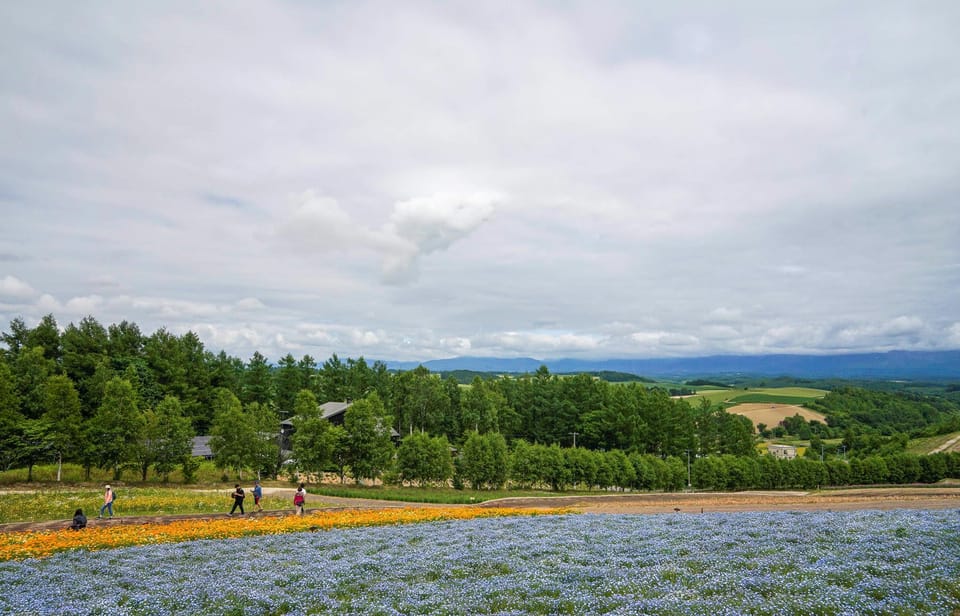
772,414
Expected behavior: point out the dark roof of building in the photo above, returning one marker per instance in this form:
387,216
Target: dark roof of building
332,409
329,410
201,447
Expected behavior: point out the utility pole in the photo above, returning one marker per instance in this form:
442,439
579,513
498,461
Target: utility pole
574,434
688,468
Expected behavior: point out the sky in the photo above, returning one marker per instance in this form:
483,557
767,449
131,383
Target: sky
422,180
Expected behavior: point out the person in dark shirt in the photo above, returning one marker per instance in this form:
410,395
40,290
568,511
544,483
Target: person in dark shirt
238,496
79,520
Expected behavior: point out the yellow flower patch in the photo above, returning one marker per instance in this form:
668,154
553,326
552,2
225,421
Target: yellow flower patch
17,546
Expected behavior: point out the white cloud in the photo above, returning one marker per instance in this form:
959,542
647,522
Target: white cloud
14,288
48,304
250,304
83,305
416,227
953,336
519,179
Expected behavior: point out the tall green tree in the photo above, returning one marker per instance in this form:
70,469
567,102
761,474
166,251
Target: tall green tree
226,372
17,338
197,391
484,460
63,419
426,403
257,381
307,366
117,427
230,433
85,347
264,446
333,380
288,382
125,342
314,441
167,438
32,370
369,447
46,335
11,419
424,459
479,406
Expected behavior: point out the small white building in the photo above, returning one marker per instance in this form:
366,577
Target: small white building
784,452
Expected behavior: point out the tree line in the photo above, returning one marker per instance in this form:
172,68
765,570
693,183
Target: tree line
114,397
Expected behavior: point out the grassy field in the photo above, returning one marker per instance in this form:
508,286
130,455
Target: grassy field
40,502
933,443
446,496
777,395
207,474
59,503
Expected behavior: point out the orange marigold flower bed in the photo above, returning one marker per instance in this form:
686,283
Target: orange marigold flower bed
18,546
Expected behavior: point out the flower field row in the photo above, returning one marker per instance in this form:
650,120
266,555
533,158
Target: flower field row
823,563
14,546
52,504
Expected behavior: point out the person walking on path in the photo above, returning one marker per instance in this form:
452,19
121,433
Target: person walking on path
107,502
257,495
238,496
299,498
79,520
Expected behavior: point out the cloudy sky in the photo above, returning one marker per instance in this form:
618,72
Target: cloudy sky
424,180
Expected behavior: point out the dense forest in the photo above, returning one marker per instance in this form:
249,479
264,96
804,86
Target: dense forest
114,397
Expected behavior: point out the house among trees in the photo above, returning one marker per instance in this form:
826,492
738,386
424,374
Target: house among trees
200,448
784,452
332,411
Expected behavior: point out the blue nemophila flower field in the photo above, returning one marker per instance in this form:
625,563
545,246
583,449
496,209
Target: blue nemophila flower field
868,562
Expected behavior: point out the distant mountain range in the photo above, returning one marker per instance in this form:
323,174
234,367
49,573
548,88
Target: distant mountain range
891,365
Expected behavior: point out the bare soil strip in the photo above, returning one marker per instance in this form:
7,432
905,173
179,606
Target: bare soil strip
935,497
703,502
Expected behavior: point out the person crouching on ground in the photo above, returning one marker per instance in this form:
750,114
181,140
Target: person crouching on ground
238,496
79,520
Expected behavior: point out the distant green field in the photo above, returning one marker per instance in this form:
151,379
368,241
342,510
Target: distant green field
931,443
758,397
777,395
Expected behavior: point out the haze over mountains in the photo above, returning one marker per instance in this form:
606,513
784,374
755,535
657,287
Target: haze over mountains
889,365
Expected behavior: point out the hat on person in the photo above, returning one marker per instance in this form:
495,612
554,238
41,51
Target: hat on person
108,486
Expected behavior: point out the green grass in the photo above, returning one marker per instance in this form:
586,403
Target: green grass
207,473
798,392
767,398
928,444
446,496
52,502
45,499
773,395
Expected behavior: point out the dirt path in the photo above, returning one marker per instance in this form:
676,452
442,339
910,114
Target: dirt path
947,446
314,503
702,502
946,497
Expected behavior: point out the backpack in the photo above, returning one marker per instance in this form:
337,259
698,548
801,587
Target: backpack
113,495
